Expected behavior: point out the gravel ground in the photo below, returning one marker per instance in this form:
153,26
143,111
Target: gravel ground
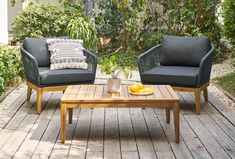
219,70
222,69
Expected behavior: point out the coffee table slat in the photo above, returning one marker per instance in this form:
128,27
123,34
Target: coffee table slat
82,93
90,92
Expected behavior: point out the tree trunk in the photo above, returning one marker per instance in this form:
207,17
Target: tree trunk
89,8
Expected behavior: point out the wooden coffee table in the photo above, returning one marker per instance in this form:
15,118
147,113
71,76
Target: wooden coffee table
97,96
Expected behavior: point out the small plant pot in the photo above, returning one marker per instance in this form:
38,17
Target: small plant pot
114,85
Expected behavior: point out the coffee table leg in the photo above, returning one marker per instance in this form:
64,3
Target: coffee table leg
63,110
176,122
168,115
70,115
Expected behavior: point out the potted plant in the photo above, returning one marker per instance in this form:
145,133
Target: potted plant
110,67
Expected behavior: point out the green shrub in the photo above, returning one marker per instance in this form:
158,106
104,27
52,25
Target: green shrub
39,20
120,21
228,8
139,24
10,66
124,59
54,20
81,28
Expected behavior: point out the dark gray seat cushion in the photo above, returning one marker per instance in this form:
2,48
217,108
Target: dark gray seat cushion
172,75
183,51
37,47
64,76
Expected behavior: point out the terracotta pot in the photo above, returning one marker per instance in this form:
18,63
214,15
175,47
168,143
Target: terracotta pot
114,85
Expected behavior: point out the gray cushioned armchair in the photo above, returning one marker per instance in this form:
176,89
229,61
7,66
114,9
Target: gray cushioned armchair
36,61
182,62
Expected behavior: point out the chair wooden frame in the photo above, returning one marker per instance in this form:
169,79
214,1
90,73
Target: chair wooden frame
40,91
197,92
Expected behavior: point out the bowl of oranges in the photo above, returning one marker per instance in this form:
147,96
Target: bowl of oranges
140,89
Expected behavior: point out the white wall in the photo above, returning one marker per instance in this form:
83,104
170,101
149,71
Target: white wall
3,22
13,12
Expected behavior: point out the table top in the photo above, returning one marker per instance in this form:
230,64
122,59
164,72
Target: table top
98,93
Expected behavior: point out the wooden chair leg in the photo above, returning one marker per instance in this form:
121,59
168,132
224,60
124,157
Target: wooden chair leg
205,92
70,115
198,101
29,91
63,112
167,115
176,122
39,100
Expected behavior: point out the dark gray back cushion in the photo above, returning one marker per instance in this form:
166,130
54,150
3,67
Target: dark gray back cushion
183,51
37,47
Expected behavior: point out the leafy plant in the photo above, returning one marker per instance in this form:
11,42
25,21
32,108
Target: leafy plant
44,20
10,66
228,8
123,59
119,21
110,67
139,24
81,28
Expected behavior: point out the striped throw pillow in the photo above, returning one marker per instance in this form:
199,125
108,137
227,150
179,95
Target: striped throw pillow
57,40
66,54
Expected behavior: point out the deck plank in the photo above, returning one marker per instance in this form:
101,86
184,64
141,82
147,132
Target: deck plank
220,136
209,141
20,134
180,149
161,145
228,128
39,127
21,114
45,146
62,150
222,108
128,143
79,143
111,135
8,111
127,133
215,150
143,141
96,143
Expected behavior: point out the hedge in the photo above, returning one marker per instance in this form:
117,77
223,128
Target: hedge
10,66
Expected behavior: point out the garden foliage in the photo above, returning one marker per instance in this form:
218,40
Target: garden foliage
129,27
228,8
81,28
54,20
10,66
139,24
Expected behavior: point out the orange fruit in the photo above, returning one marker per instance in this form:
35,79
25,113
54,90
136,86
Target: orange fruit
134,88
141,86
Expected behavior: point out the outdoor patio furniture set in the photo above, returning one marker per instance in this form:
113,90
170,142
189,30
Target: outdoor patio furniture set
179,63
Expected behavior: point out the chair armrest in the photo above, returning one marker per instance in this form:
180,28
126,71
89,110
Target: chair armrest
205,68
91,60
149,59
30,67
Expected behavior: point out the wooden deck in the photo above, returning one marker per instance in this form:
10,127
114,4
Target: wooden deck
116,133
